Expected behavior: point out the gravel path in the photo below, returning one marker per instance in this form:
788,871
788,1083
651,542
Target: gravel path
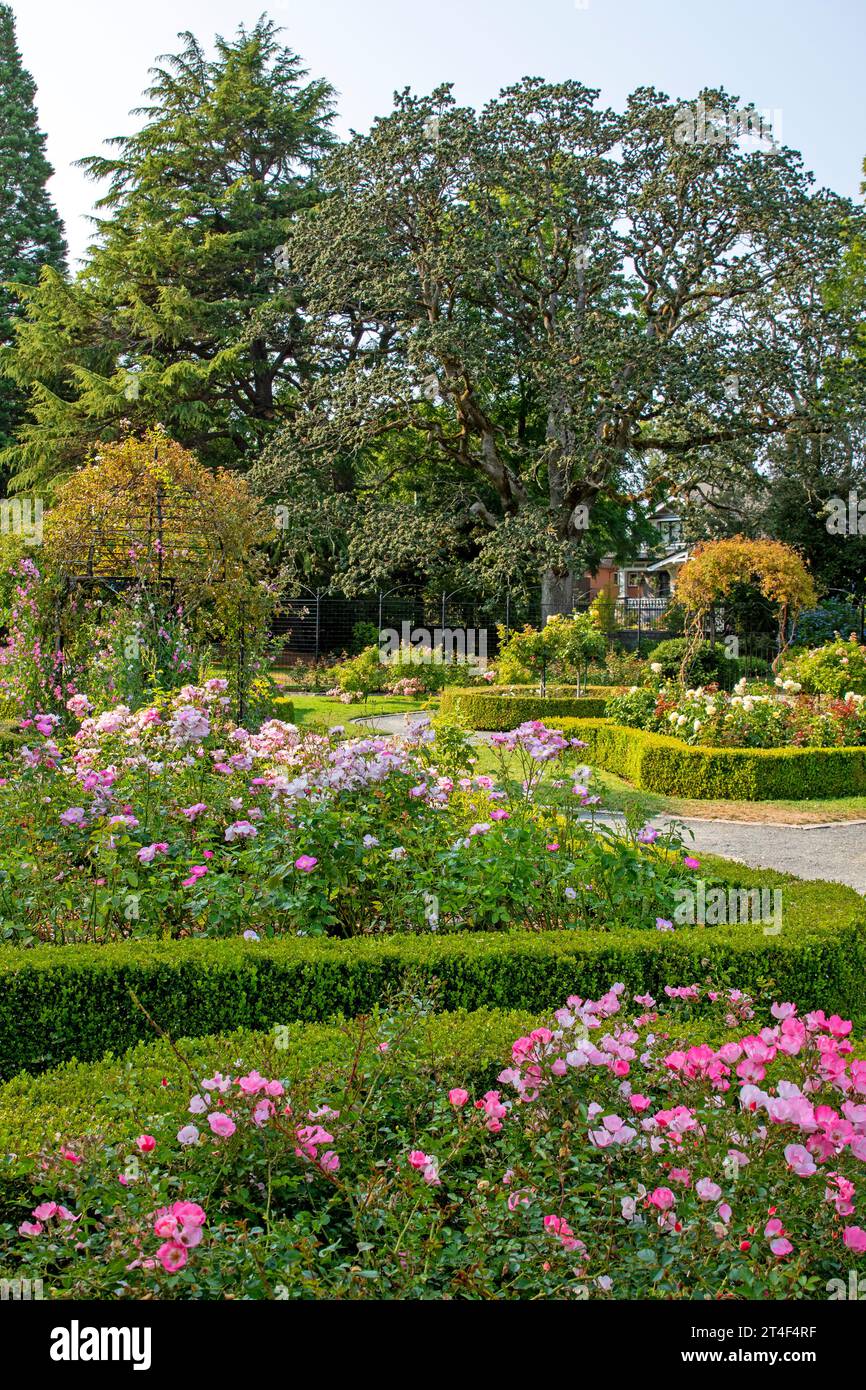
834,852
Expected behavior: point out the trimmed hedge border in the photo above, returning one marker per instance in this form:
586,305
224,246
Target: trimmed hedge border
658,763
119,1096
64,1002
498,712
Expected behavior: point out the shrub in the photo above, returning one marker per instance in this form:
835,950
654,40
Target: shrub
490,709
364,634
612,1153
817,625
711,663
117,1093
177,823
564,647
834,669
658,763
78,1003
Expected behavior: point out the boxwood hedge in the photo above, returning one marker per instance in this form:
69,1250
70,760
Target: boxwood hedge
120,1097
498,710
60,1002
658,763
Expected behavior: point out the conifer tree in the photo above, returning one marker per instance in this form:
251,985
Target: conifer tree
185,313
31,233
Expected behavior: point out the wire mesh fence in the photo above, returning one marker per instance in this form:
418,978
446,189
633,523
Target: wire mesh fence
315,625
319,626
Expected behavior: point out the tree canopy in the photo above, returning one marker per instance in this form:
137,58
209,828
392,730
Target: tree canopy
523,320
31,233
182,314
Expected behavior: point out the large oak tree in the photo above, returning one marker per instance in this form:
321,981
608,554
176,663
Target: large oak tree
536,313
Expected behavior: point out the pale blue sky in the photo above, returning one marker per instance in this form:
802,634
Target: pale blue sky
802,59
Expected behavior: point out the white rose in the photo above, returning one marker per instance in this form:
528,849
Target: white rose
681,719
748,704
696,725
656,668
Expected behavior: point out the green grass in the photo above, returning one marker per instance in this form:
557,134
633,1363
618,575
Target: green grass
318,709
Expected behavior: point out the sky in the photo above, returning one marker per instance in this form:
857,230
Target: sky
799,61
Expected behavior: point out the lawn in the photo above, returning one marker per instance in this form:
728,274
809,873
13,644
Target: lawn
319,709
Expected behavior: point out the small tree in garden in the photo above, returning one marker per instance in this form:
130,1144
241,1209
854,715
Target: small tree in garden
564,645
718,567
181,545
580,641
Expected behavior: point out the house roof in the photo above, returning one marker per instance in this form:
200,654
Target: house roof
678,558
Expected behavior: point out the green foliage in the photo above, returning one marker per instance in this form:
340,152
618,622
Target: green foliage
364,635
654,762
564,647
833,669
711,663
113,1095
186,312
833,615
537,321
603,611
425,1195
362,675
491,710
31,233
77,999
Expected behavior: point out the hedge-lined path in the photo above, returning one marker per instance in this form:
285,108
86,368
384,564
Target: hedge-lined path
836,852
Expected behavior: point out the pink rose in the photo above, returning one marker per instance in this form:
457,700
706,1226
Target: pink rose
221,1124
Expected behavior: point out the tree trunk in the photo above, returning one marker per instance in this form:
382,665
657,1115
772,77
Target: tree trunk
559,591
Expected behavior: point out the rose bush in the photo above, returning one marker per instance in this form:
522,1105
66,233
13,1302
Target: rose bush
833,669
172,820
777,716
626,1150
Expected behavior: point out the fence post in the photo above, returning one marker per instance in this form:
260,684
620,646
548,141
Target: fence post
318,620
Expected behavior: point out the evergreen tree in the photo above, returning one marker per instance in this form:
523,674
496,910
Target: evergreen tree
31,233
186,313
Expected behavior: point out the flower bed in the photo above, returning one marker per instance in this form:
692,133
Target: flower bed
621,1151
660,763
169,820
758,718
78,1003
498,710
117,1093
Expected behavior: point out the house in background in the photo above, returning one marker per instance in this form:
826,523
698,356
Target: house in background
651,574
